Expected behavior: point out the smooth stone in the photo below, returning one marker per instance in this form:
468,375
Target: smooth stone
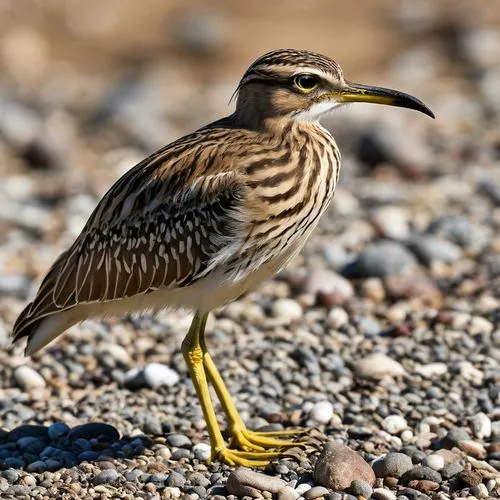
88,456
107,476
324,281
287,493
57,430
460,230
360,488
480,491
15,463
429,249
454,436
391,222
472,448
394,424
25,430
382,259
246,482
434,461
179,441
315,492
52,464
393,464
338,466
38,466
321,412
288,309
450,470
202,451
423,485
383,494
431,370
481,425
28,378
420,472
157,374
152,425
11,475
377,366
94,430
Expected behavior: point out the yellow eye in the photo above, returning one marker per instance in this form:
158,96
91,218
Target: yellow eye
306,82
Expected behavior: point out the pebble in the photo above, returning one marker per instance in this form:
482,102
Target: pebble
28,378
393,464
176,480
481,425
460,230
287,493
360,488
450,470
157,375
337,466
57,430
418,473
326,282
472,448
246,482
315,492
394,424
434,461
10,474
479,491
108,476
287,309
380,260
38,466
429,249
93,430
377,366
179,441
322,412
202,451
383,494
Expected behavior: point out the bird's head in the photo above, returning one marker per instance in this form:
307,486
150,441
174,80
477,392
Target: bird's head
303,85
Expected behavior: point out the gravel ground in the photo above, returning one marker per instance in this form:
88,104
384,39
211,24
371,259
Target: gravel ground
384,334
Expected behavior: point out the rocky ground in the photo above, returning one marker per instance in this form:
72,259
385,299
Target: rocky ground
384,334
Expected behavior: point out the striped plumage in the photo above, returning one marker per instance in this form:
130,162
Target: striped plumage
207,217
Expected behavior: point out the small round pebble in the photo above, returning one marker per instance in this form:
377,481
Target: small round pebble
179,441
57,430
315,492
322,412
434,461
156,375
287,309
361,488
28,378
393,464
202,451
394,424
107,476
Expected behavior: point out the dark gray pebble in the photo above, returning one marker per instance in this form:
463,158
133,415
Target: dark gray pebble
180,453
420,472
94,430
159,478
57,430
450,470
88,456
454,436
133,475
198,479
14,462
37,466
27,430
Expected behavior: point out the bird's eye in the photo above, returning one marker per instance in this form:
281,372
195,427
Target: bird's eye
306,82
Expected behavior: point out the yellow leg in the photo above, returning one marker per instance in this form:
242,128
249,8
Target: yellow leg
193,354
241,437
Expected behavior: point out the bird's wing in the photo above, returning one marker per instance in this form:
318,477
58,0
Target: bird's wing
160,226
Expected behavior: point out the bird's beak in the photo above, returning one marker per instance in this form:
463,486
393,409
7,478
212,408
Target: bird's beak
355,92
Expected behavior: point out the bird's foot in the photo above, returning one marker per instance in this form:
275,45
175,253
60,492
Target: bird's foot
244,439
245,458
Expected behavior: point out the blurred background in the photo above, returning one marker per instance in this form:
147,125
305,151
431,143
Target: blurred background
406,263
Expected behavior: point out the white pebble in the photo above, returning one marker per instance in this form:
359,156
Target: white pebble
434,461
302,488
481,425
394,424
156,374
287,309
202,451
28,378
338,317
383,494
378,366
322,412
406,436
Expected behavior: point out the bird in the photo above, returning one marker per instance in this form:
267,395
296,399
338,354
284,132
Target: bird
208,217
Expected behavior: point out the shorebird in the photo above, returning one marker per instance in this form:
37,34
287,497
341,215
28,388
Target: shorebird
208,217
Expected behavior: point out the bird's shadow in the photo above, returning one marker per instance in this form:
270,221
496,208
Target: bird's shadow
39,448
